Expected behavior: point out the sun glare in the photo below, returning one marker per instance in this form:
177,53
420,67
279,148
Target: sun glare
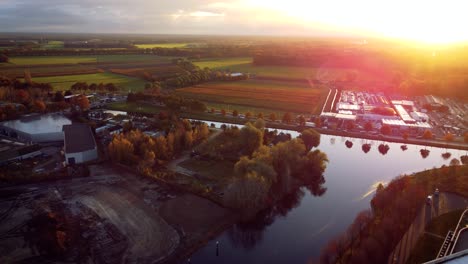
437,22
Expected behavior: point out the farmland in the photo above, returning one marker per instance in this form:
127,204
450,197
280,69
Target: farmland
53,44
64,82
48,60
162,45
136,107
224,63
245,65
273,95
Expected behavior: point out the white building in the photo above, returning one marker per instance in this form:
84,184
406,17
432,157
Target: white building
36,128
80,145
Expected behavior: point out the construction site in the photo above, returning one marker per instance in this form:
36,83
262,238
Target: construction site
112,216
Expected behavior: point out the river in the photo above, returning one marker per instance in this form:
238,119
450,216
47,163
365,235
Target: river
299,234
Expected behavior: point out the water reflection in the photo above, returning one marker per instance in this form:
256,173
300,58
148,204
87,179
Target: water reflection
424,153
366,148
383,149
446,155
247,234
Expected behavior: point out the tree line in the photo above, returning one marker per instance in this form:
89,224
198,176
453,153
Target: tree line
136,149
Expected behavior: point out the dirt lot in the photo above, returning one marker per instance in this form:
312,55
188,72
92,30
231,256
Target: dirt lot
110,217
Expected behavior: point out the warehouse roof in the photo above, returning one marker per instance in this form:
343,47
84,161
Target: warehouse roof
78,138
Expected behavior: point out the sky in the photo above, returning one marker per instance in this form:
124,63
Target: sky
425,20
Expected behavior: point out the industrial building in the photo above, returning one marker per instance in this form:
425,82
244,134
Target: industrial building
80,145
36,128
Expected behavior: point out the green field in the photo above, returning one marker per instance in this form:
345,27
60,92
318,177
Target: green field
162,45
224,63
136,107
53,44
242,109
65,82
244,64
47,60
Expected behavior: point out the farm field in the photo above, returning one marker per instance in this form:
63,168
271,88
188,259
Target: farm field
65,82
162,45
136,107
223,63
39,71
53,44
156,71
279,96
47,60
244,64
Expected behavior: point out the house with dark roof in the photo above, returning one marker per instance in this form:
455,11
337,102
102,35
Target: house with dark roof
80,145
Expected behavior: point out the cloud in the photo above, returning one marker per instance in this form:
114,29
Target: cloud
206,14
142,16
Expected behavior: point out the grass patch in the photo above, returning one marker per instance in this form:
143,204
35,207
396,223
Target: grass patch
244,109
428,246
136,107
210,169
65,82
47,60
162,45
223,63
53,44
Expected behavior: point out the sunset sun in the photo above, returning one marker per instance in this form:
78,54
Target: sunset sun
424,21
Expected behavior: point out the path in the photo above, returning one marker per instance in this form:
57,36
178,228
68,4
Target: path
174,165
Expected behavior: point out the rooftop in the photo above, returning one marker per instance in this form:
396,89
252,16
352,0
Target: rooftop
38,124
78,138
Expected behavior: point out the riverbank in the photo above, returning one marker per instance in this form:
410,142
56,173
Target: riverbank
209,117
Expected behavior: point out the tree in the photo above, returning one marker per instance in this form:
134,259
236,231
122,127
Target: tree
350,125
22,96
260,115
235,113
287,118
251,137
247,193
223,112
4,58
212,110
248,115
386,130
405,135
81,101
427,134
272,117
301,120
260,123
27,77
368,126
311,138
121,150
39,106
449,137
148,161
454,162
58,97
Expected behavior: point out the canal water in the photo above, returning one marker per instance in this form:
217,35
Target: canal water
298,232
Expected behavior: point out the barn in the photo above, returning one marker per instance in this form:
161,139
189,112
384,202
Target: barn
80,145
